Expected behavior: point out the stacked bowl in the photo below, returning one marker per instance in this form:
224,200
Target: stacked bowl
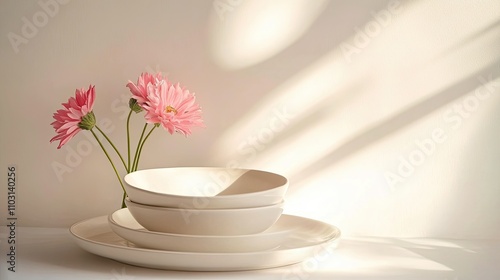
203,209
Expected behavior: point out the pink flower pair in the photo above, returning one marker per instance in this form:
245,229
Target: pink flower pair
165,104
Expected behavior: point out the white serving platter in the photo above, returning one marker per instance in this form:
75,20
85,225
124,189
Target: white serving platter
308,237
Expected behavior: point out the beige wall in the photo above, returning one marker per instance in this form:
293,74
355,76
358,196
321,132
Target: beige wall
384,115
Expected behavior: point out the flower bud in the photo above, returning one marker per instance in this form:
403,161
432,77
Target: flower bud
134,106
87,122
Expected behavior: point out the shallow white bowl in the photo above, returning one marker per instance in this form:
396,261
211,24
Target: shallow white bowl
123,223
205,187
238,221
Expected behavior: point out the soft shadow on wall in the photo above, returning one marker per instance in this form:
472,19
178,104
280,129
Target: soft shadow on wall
373,132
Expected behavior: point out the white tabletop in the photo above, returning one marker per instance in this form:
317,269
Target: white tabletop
50,253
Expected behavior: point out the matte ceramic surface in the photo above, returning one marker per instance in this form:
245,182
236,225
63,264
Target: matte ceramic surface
123,223
205,221
205,187
316,239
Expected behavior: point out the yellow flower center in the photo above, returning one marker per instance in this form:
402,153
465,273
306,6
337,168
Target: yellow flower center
170,109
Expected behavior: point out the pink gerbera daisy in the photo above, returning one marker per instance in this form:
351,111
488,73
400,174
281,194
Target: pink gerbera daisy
173,107
140,89
76,115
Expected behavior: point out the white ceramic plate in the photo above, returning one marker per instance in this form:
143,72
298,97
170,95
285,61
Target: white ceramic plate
309,237
123,223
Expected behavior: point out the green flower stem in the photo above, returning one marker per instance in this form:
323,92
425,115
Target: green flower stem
142,145
123,200
114,168
138,146
128,141
112,145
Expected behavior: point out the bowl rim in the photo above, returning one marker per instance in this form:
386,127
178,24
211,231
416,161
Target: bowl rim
161,208
221,197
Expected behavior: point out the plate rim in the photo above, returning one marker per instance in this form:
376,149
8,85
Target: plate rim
331,237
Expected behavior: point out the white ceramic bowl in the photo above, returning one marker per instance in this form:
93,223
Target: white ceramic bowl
205,187
123,223
238,221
